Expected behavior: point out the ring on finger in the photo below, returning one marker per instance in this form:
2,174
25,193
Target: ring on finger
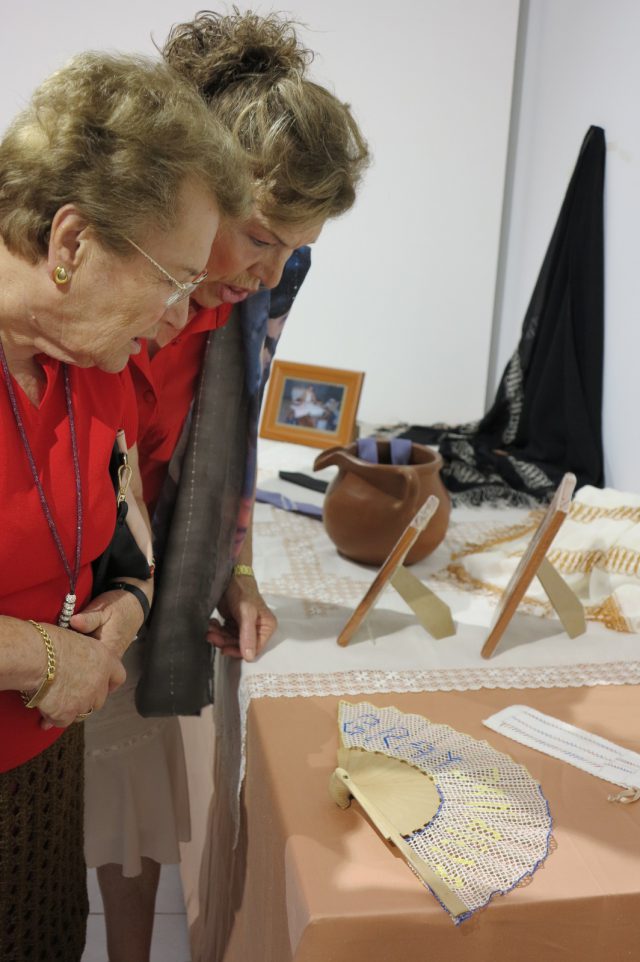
83,715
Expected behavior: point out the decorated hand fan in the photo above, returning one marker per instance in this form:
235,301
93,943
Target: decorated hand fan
469,821
399,799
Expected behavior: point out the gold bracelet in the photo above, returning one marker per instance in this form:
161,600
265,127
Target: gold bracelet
32,701
246,570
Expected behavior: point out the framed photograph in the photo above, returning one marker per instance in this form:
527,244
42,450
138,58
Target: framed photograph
433,613
311,405
532,563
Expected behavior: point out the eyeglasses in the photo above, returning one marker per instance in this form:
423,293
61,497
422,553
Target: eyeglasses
182,290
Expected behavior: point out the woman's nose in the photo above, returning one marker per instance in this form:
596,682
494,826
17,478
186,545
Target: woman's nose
269,270
177,314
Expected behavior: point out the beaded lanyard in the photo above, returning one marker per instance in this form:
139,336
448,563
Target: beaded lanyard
69,603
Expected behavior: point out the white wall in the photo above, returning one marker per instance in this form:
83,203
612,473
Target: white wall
403,286
582,67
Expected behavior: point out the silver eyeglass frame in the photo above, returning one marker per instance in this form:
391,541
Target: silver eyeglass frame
182,290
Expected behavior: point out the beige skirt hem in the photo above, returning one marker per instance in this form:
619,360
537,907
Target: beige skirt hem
136,795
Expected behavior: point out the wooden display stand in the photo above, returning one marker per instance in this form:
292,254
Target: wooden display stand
432,613
533,564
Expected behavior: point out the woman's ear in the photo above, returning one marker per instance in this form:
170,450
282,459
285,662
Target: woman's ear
67,241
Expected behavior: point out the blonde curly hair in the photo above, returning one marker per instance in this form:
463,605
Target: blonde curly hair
308,152
118,136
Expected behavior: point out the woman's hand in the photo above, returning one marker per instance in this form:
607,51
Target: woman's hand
248,621
86,671
114,618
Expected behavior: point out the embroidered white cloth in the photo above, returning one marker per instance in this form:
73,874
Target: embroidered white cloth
577,747
493,826
597,551
313,590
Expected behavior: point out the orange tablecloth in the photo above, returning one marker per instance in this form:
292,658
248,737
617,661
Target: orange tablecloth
311,883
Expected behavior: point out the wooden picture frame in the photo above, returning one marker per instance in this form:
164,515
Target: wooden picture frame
534,563
313,405
433,614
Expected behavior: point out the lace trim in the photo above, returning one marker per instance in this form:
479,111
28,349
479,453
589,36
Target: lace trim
304,685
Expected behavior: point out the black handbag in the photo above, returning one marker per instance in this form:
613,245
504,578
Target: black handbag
128,554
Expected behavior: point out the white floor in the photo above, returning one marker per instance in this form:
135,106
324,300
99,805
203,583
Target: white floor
170,935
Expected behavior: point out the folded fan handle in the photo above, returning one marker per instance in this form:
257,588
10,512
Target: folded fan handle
454,905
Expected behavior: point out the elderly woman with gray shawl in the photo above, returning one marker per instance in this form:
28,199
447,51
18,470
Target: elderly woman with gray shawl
199,392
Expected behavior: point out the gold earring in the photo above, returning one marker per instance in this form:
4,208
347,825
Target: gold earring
61,275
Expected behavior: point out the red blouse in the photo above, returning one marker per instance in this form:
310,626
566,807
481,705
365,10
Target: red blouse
165,385
34,581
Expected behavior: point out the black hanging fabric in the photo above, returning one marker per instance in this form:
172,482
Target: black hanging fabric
546,417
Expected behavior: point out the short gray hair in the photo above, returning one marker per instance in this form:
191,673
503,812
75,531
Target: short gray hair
117,136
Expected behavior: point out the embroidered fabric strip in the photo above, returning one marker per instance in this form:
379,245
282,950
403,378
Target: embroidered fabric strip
577,747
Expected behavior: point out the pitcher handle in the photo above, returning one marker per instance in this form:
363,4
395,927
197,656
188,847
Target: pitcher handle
327,458
412,489
401,483
345,461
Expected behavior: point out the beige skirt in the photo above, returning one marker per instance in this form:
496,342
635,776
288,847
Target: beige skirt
136,798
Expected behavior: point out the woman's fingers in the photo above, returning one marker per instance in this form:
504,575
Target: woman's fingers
86,671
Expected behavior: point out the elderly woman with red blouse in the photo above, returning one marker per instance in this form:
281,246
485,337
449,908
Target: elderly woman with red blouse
112,184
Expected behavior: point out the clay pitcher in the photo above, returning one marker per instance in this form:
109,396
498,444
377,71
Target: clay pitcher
367,505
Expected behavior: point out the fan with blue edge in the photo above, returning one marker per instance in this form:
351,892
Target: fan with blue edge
469,821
